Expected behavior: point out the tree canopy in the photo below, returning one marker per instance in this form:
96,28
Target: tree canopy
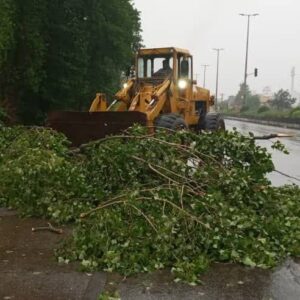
282,100
57,54
246,100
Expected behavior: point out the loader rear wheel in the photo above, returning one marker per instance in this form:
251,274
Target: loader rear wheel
170,121
214,122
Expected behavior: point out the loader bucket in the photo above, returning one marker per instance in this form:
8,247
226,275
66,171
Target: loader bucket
83,127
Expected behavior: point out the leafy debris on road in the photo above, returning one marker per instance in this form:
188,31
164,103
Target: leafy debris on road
142,202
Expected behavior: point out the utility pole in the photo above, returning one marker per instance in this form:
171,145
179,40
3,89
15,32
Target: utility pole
204,75
222,97
196,75
247,50
217,79
293,74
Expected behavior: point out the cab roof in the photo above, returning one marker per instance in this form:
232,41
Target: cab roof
163,51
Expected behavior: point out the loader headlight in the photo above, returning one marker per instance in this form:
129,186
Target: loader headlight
182,84
125,85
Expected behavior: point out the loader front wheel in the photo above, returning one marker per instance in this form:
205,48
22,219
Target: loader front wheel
214,122
170,121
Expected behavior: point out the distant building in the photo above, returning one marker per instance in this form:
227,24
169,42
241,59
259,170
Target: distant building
267,91
264,100
266,96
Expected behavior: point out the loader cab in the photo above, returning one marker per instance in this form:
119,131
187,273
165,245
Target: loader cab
156,65
154,68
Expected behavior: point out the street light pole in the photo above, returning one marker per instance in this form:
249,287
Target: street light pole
217,79
204,75
247,50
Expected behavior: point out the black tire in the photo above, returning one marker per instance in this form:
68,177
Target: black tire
214,122
170,121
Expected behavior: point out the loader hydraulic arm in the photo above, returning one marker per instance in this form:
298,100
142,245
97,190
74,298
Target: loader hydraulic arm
122,98
124,93
100,103
159,98
161,89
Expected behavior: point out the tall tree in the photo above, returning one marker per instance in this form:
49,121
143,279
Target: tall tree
22,70
115,30
282,100
57,54
30,57
7,46
251,102
67,56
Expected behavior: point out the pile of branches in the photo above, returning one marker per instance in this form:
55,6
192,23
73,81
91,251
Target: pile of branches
142,202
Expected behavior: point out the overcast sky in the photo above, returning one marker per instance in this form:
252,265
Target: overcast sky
200,25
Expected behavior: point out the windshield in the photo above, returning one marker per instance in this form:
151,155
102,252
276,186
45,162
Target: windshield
155,67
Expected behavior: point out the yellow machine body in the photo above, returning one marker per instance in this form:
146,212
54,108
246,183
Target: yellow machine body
163,83
155,96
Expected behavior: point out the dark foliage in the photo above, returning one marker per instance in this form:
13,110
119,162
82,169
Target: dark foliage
57,54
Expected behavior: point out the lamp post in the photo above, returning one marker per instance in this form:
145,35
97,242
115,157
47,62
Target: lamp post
204,75
247,50
217,79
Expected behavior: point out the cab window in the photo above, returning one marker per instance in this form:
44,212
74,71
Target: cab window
185,67
155,67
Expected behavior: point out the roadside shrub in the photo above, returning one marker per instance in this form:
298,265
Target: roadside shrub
263,109
244,109
295,112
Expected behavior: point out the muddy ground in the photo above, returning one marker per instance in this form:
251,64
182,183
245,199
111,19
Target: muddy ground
28,270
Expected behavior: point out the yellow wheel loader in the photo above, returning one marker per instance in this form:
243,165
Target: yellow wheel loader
161,93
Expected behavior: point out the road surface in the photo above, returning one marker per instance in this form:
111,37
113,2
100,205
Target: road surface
288,164
29,271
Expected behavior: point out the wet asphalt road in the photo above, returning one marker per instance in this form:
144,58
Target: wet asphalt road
288,164
29,271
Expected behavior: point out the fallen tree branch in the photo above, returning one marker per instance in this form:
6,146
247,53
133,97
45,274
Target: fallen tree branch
84,215
48,228
114,137
145,216
286,175
272,136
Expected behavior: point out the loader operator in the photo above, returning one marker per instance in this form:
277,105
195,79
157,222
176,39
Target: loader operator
165,71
